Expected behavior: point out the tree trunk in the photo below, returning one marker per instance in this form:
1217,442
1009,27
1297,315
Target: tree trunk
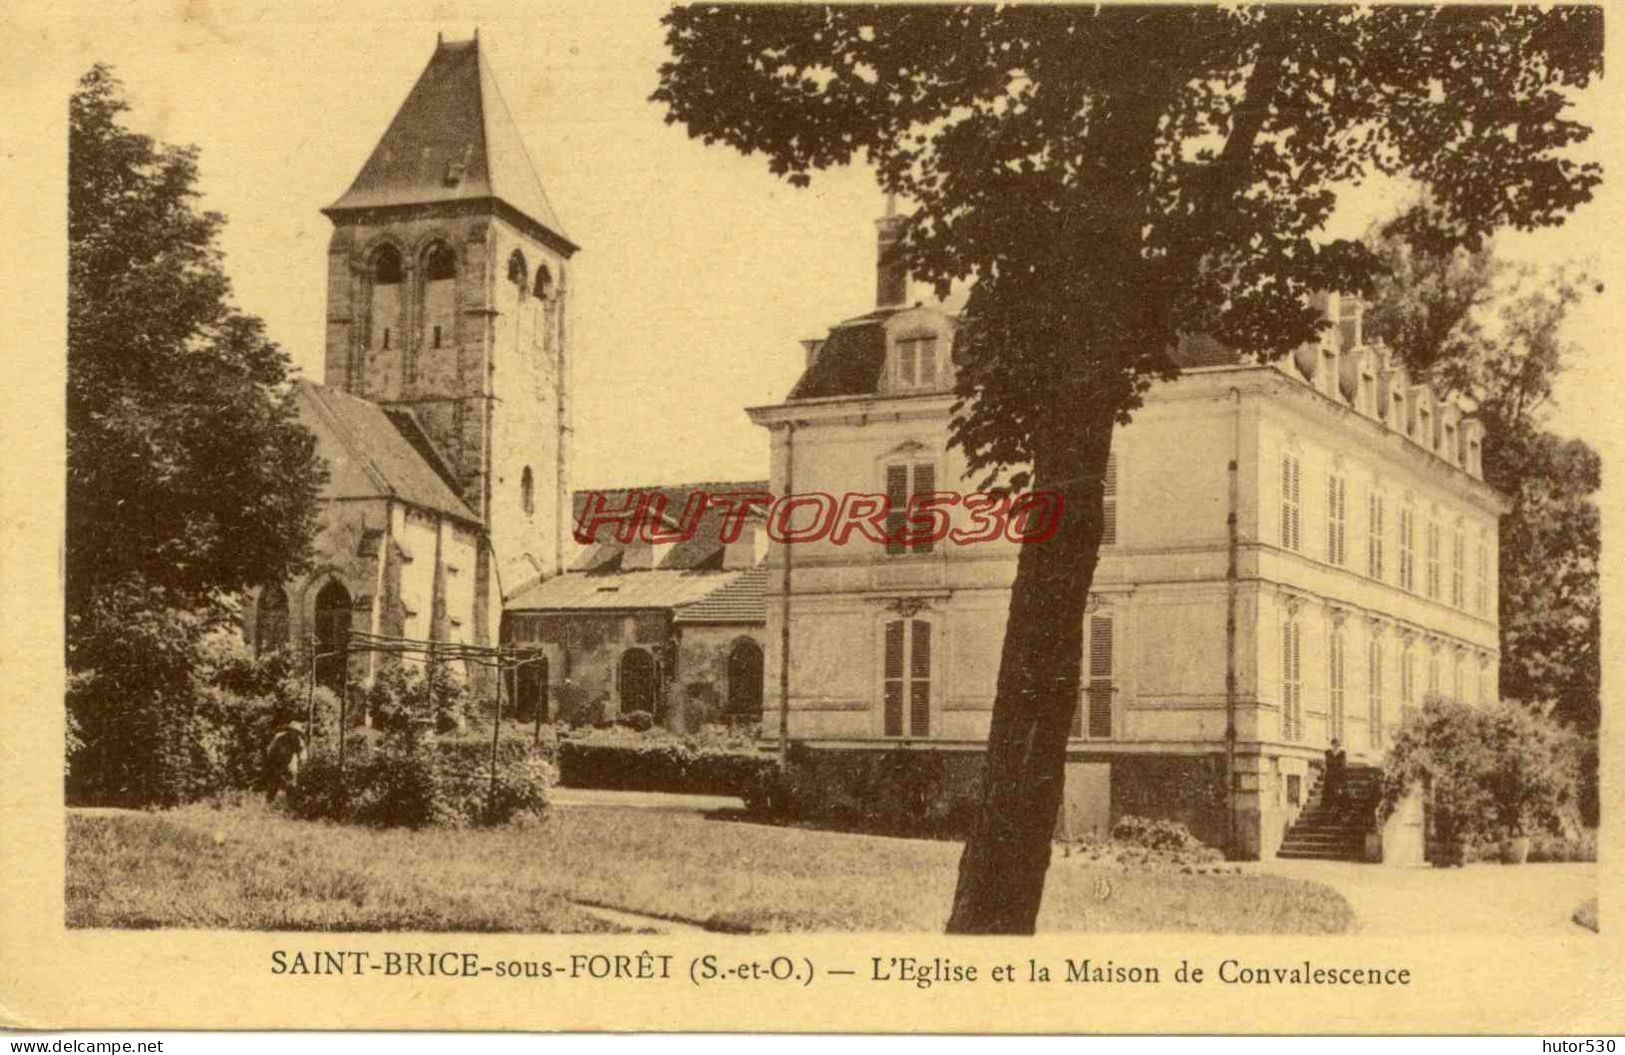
1006,856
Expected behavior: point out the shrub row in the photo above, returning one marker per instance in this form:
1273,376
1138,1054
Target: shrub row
409,778
625,761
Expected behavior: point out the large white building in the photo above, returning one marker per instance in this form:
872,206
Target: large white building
1360,573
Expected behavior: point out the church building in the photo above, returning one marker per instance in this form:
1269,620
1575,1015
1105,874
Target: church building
444,410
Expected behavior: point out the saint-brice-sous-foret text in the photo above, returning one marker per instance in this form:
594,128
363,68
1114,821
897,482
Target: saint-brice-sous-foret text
920,972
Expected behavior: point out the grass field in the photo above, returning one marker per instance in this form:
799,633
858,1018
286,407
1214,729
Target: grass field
248,867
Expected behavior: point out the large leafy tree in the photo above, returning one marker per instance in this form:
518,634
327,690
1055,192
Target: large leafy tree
187,469
1482,328
1106,178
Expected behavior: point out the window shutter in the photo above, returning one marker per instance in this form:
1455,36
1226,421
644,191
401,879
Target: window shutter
925,481
896,507
894,678
927,352
1100,676
920,679
1108,534
1290,494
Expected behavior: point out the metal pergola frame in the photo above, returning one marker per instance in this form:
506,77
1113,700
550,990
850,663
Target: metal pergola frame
430,654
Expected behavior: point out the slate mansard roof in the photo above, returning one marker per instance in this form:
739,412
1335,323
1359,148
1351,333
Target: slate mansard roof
377,453
453,139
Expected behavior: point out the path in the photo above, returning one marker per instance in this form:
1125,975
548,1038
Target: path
644,800
1481,898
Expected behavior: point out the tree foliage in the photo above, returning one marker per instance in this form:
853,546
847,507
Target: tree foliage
1478,326
186,466
1109,177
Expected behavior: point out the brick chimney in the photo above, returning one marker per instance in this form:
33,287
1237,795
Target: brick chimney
891,274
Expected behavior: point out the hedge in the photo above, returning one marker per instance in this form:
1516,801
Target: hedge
656,763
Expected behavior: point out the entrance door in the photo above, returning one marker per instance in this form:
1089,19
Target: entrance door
1086,802
530,691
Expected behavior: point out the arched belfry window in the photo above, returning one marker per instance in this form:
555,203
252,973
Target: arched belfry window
527,491
518,274
440,263
544,283
271,620
386,266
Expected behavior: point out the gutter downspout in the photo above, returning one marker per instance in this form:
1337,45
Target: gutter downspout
784,604
1232,587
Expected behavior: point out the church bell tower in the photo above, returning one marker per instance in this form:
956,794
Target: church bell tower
447,296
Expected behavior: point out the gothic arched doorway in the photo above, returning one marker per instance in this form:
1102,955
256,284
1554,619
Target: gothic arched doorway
745,680
332,632
637,681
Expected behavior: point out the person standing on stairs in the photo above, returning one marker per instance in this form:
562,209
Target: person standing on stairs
1336,770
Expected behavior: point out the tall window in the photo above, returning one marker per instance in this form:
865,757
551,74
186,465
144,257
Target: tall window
518,274
1458,567
1407,548
917,362
1336,519
271,620
1481,589
1291,502
745,680
1458,684
907,690
1108,536
1433,559
332,634
1334,682
637,681
902,483
1433,672
1348,322
1098,690
1292,679
1373,681
1483,681
1375,522
527,491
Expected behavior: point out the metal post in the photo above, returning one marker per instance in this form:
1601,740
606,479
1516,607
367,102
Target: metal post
541,706
496,733
344,698
310,696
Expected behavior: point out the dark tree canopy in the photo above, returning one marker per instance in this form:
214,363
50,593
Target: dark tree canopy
187,469
1112,176
1107,178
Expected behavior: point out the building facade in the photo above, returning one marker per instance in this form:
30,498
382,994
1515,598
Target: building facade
1359,576
673,630
445,409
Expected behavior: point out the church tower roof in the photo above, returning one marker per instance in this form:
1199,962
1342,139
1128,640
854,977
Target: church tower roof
453,140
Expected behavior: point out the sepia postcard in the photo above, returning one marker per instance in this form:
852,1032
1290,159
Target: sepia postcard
1022,518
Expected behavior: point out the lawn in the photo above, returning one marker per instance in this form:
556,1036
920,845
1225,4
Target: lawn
248,867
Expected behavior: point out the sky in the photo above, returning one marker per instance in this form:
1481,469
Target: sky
699,271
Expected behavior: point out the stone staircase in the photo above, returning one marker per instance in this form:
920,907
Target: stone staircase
1336,833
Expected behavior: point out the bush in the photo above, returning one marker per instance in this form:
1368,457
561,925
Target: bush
1491,772
658,761
406,777
1153,834
400,695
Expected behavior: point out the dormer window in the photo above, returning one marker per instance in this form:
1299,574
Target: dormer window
916,360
